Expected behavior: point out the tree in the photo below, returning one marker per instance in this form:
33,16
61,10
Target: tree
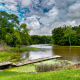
68,33
7,23
13,39
10,30
24,32
57,35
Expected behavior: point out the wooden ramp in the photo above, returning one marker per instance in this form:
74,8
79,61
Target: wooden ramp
37,60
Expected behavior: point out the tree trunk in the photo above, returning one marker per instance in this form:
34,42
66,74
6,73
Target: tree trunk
69,40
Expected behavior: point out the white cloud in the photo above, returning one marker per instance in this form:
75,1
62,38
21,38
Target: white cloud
32,22
12,1
42,31
2,7
61,24
11,7
75,7
50,2
25,2
49,17
74,11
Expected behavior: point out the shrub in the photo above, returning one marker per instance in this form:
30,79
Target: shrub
51,66
46,67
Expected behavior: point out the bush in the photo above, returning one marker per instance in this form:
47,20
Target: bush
51,66
46,67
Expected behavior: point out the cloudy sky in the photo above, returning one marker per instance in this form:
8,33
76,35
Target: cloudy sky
42,16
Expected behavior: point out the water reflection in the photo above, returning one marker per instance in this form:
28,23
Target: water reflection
40,54
67,53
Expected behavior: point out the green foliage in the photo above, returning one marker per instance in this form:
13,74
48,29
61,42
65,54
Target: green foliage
68,32
24,32
13,39
5,25
66,35
11,32
6,56
35,39
58,35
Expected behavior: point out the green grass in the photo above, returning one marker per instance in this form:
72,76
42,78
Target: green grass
56,75
65,46
26,68
16,49
5,56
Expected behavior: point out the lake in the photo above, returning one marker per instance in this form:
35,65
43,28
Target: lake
45,50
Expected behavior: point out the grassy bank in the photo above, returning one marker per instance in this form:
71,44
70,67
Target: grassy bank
65,46
25,68
5,56
28,72
53,75
16,49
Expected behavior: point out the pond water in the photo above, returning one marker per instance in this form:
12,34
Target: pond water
45,50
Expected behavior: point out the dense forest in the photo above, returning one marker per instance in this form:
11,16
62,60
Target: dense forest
16,34
36,39
66,35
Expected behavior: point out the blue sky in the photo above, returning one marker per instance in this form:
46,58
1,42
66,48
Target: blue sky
42,16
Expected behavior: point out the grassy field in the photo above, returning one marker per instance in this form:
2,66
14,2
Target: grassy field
53,75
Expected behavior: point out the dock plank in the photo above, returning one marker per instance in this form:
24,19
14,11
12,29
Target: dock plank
5,63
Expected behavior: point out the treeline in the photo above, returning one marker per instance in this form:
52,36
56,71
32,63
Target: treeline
16,34
35,39
66,35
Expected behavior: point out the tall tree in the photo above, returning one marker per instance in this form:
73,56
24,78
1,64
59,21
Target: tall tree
7,23
24,32
68,33
57,35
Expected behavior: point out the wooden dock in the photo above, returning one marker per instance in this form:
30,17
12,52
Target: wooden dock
5,65
37,60
10,64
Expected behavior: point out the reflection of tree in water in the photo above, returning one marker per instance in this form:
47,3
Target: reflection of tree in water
23,56
67,53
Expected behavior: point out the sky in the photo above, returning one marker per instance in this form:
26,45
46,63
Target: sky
42,16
